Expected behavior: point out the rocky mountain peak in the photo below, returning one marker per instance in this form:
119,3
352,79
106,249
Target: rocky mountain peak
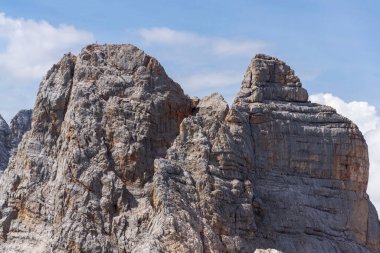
10,136
268,78
119,159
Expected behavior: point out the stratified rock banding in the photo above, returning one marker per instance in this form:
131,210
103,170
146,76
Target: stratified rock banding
119,159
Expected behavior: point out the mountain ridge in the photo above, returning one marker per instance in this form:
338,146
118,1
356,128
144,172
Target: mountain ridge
119,159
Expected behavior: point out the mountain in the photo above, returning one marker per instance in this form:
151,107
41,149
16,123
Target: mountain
119,159
10,136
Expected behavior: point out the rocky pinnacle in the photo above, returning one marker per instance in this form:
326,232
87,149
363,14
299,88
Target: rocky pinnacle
119,159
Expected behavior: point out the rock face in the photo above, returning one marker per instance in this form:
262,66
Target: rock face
120,160
311,170
10,136
20,124
5,133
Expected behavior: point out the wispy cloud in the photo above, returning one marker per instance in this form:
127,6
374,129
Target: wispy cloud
215,45
30,47
200,63
360,112
366,117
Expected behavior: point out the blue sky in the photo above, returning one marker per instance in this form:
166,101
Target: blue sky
332,45
206,46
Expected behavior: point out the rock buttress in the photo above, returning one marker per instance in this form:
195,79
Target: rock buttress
120,160
310,166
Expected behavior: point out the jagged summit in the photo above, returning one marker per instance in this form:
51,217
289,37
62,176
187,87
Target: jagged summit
119,159
268,78
122,57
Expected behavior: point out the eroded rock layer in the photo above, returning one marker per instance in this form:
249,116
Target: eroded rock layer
120,160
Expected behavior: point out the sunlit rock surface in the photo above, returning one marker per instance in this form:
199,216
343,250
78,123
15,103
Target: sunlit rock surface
119,159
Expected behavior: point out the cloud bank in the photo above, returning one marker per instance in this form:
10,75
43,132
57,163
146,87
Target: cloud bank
213,45
368,121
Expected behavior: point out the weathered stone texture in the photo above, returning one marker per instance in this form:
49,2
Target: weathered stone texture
120,160
20,124
99,122
10,136
5,133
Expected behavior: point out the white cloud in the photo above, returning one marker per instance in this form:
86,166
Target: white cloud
199,62
215,45
365,116
373,141
28,49
31,47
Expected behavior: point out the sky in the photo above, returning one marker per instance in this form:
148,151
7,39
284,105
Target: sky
206,46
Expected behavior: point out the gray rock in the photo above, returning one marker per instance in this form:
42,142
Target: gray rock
83,171
10,136
118,159
20,124
5,133
268,78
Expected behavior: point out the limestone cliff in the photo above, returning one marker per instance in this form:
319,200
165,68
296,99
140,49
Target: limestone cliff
10,136
5,133
20,124
119,159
